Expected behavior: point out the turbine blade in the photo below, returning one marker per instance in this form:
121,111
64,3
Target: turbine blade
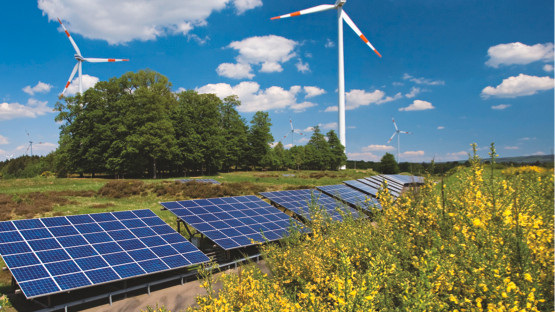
350,22
70,38
406,132
70,78
396,129
103,60
391,138
291,123
318,8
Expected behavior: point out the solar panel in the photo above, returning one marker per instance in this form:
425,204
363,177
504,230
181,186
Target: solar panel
52,255
298,201
404,179
233,222
211,181
363,187
377,182
350,196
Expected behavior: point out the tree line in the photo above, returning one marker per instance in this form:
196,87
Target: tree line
135,126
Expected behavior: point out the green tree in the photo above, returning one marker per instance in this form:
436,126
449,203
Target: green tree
235,133
388,164
317,151
259,138
337,151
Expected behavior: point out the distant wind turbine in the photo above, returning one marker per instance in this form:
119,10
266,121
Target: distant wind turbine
30,146
9,157
291,132
80,59
398,133
341,16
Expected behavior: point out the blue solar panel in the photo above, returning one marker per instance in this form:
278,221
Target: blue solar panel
211,181
404,179
301,201
378,182
219,218
350,196
365,188
52,255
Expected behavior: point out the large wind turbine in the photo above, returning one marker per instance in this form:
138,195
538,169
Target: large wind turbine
80,59
341,16
398,133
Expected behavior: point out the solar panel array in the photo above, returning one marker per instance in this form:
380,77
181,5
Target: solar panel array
298,202
349,195
211,181
233,222
404,179
377,182
52,255
363,187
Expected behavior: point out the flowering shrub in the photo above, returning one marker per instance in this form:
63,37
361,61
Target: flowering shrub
480,241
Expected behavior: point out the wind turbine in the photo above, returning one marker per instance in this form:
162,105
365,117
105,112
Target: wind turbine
341,16
80,59
9,157
398,133
30,146
292,132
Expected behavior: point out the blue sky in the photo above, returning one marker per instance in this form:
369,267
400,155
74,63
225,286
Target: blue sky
452,72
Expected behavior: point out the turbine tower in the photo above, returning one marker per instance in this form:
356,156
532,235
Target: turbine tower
80,59
398,133
341,16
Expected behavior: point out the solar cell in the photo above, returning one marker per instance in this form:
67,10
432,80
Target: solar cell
52,255
350,196
302,201
211,181
220,219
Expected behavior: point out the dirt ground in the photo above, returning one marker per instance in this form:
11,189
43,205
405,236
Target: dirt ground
175,298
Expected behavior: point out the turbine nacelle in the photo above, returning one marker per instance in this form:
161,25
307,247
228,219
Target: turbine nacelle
339,3
78,57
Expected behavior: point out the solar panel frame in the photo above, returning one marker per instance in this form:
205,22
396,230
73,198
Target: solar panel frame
298,201
86,259
211,181
350,195
220,218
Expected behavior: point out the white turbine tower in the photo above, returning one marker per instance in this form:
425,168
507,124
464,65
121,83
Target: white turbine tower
398,133
341,16
291,132
80,59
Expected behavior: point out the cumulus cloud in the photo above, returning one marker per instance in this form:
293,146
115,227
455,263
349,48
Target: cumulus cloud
518,53
302,67
412,153
423,81
357,98
313,91
520,85
122,21
453,156
32,109
500,106
326,126
413,92
375,147
3,140
40,87
329,43
236,71
538,153
440,127
511,147
268,51
253,98
88,82
548,68
367,156
417,105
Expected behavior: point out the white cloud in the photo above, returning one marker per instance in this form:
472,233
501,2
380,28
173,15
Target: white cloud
3,140
245,5
122,21
548,68
255,99
268,51
527,139
412,153
302,67
417,105
326,126
453,156
500,106
32,109
313,91
538,153
413,92
88,82
375,147
357,98
329,43
519,53
511,147
41,87
236,71
520,85
424,81
440,127
363,156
